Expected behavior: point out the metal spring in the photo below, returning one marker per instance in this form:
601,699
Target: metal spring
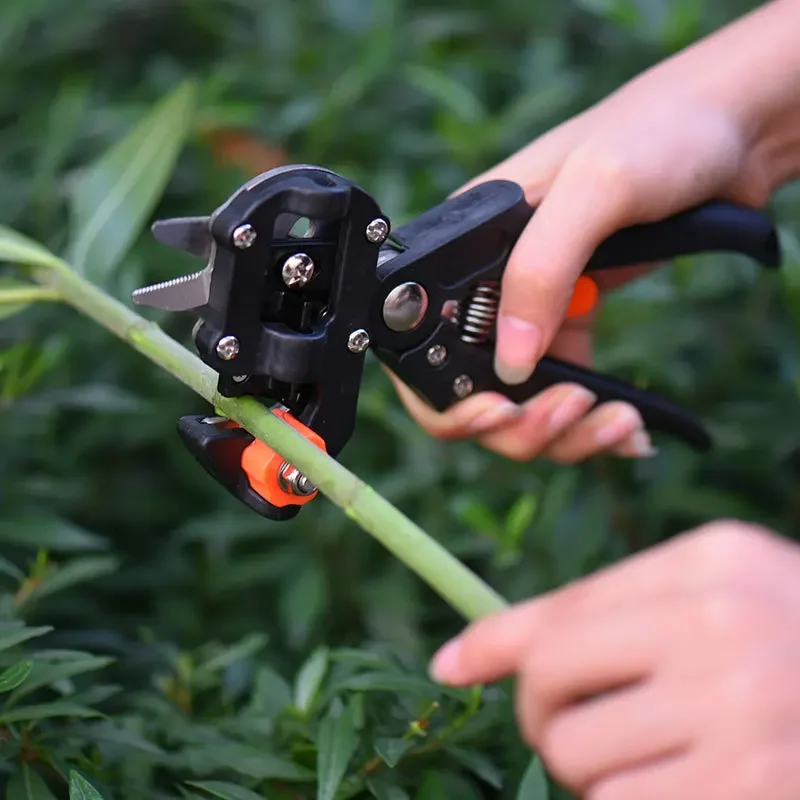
477,314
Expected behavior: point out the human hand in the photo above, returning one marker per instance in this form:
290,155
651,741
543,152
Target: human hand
693,128
670,675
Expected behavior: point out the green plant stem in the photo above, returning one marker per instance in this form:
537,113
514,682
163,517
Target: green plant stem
446,575
29,295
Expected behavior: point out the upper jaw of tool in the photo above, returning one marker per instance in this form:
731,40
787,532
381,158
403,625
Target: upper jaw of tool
189,292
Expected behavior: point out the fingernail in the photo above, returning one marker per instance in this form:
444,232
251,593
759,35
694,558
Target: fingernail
444,666
502,412
626,422
574,405
518,342
640,446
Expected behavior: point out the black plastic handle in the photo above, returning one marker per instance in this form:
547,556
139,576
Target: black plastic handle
711,227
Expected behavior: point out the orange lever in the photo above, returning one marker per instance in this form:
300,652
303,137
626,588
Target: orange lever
584,297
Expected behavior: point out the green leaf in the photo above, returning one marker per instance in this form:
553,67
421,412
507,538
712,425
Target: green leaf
81,789
12,570
449,93
19,249
337,741
255,762
534,784
9,639
61,708
227,791
114,197
240,651
13,676
27,784
392,750
478,764
81,570
309,679
381,789
46,673
49,533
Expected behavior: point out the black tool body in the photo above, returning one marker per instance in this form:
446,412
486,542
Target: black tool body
287,313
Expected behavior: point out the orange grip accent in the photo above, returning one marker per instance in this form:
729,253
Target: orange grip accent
261,465
584,297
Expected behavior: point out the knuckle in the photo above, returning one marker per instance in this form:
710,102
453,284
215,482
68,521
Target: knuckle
729,615
556,747
612,172
729,549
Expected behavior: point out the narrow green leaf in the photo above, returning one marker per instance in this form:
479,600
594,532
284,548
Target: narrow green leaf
309,679
60,708
81,789
227,791
27,784
240,651
49,533
113,198
12,638
12,570
18,249
46,673
392,750
13,676
381,789
81,570
478,764
449,93
255,762
534,784
336,743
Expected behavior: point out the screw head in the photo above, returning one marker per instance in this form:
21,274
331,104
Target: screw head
293,481
436,355
462,386
240,378
297,270
228,348
377,231
244,236
358,341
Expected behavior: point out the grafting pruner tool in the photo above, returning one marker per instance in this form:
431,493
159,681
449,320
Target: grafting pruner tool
303,276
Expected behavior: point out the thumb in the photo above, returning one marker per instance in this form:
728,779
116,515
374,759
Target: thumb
581,209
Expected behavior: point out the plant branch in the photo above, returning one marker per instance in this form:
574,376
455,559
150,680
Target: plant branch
30,294
445,574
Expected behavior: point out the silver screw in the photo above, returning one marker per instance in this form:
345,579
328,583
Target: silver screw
405,307
293,481
244,236
462,385
228,348
377,231
436,355
240,378
297,270
358,341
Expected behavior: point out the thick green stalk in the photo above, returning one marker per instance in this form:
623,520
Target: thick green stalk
460,587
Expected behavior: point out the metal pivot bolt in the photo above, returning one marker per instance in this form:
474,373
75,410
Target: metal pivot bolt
358,341
228,348
244,236
293,481
462,386
297,270
405,307
377,231
436,355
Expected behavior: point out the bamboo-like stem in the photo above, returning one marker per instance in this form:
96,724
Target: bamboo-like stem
444,573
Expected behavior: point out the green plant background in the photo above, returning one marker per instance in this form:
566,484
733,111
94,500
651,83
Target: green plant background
247,656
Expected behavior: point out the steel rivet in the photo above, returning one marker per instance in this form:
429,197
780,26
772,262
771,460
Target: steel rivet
293,481
436,355
244,236
228,348
377,231
358,341
462,386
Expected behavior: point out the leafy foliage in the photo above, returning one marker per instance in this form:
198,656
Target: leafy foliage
157,638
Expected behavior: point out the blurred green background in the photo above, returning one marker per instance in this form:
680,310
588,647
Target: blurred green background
209,611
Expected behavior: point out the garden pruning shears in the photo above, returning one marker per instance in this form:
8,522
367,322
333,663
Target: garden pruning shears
304,275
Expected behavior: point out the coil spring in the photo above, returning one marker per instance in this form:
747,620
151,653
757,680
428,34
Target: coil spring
476,315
